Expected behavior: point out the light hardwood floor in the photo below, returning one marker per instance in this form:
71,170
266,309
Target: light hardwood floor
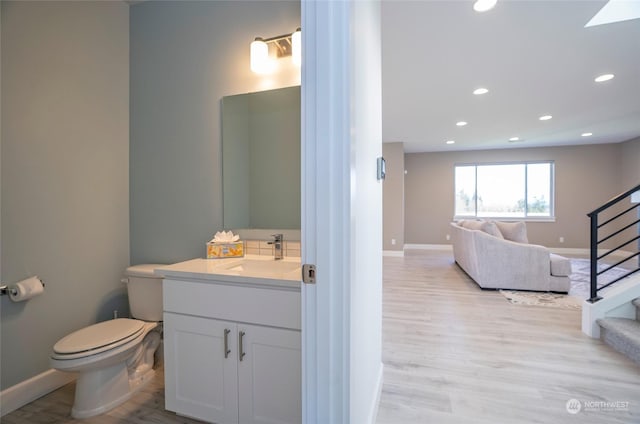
453,354
456,354
146,407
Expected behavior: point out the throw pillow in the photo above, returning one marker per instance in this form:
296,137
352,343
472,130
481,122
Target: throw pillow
514,231
471,224
488,227
492,229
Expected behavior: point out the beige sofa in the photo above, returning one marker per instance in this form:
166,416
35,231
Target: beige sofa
497,255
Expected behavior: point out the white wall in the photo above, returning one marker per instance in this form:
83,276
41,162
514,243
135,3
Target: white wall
185,56
366,213
64,197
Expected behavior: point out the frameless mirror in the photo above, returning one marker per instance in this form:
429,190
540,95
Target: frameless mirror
261,159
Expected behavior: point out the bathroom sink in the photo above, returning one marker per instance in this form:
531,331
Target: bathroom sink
267,268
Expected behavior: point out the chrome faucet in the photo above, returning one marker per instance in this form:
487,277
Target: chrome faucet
277,246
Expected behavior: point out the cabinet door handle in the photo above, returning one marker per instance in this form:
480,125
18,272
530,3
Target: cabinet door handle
227,351
240,349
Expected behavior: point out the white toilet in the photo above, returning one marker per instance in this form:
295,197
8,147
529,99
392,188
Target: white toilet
114,359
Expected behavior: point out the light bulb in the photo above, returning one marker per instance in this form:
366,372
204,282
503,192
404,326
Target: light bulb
259,56
296,47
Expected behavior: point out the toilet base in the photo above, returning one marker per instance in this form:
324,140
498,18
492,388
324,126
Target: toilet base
122,375
115,389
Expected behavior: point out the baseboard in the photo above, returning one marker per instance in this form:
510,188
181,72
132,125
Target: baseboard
586,252
558,250
373,414
428,247
29,390
393,253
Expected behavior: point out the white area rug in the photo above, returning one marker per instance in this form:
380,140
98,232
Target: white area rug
579,290
551,300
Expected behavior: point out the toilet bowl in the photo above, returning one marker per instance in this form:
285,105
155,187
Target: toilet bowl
114,359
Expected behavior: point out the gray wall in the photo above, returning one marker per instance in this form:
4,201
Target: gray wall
65,116
630,164
586,177
185,56
393,197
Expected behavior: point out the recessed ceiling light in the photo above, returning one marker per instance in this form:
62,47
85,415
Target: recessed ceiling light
461,123
545,117
587,134
478,91
484,5
450,142
603,78
514,139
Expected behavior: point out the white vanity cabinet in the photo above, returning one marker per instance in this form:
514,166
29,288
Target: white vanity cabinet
199,381
233,350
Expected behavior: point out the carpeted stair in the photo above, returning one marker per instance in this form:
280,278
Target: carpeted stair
623,334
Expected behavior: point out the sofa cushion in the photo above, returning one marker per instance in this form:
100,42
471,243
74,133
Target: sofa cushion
488,227
513,231
560,266
471,224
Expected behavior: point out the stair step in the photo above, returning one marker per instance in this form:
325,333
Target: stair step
622,334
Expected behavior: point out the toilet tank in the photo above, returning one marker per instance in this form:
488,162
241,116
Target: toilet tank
145,291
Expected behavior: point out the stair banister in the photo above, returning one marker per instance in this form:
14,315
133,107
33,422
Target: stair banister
593,247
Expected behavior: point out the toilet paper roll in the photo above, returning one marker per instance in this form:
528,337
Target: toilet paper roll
26,289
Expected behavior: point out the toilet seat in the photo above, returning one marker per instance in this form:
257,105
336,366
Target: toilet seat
97,338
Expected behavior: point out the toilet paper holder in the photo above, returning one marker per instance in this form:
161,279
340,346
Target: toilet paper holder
6,289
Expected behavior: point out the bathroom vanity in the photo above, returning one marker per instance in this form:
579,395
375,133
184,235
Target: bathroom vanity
232,339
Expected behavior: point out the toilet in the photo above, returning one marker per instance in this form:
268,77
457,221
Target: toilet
114,359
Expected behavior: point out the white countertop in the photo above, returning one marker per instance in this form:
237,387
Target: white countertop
251,270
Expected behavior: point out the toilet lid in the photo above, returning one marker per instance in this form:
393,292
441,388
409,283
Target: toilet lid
99,335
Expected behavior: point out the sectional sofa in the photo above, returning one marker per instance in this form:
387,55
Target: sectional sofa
497,255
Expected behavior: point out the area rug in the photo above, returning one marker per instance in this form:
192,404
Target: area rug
551,300
578,291
580,277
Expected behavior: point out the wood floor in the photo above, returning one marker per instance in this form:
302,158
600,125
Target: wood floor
146,407
456,354
452,354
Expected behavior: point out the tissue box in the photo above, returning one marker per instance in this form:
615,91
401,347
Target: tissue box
225,250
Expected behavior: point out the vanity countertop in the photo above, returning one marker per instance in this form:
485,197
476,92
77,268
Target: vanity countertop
262,271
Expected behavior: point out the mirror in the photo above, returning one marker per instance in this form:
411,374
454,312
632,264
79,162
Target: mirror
261,159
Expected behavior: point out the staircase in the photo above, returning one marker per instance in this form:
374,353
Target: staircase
621,226
612,314
623,334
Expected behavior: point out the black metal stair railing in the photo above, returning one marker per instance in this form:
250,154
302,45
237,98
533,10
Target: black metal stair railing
622,231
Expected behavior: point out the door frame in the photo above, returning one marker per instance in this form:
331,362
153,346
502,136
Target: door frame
325,210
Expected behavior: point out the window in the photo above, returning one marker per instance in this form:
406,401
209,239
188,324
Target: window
511,190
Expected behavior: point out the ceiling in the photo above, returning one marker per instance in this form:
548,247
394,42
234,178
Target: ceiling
535,57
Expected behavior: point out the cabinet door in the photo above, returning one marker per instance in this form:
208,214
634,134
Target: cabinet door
199,381
269,376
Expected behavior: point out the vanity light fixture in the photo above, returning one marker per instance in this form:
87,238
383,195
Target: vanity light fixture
296,47
260,56
265,51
